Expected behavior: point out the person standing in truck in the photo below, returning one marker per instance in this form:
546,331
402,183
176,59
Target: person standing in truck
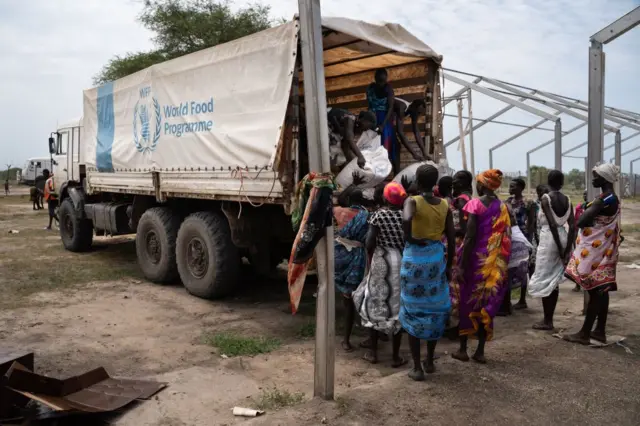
50,197
381,99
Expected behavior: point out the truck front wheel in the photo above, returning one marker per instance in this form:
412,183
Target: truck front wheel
156,244
206,256
76,232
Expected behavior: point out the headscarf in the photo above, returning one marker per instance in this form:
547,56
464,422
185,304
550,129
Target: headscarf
490,179
608,171
394,193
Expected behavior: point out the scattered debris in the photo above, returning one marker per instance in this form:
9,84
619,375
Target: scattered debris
223,356
632,266
14,231
246,412
91,392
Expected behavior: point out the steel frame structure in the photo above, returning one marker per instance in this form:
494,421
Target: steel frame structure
596,107
548,106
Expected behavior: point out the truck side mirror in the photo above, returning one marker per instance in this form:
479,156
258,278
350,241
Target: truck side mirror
52,146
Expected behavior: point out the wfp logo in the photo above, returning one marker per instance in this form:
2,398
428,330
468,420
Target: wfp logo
142,127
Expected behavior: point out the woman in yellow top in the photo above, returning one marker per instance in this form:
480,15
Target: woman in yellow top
425,274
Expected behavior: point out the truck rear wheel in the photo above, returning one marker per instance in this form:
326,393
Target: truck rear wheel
76,233
207,258
156,244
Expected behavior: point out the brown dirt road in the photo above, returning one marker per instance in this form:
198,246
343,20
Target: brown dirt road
79,311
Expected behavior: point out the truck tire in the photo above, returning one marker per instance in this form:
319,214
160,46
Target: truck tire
156,244
76,233
207,257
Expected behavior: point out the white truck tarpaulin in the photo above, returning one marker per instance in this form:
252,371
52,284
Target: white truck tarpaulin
217,108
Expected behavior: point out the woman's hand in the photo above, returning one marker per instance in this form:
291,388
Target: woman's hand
358,179
361,162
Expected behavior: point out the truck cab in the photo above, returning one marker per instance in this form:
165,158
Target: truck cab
64,146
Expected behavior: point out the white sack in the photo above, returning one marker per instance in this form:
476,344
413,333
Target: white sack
377,165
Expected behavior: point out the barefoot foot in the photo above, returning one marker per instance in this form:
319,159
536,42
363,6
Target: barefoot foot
479,358
417,375
577,338
460,356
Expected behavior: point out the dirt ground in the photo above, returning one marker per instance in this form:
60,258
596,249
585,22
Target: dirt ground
80,311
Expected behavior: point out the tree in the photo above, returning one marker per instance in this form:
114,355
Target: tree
186,26
576,178
538,175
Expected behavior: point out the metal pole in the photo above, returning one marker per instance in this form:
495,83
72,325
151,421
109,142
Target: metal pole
529,173
462,146
618,161
470,132
316,105
558,145
596,109
586,174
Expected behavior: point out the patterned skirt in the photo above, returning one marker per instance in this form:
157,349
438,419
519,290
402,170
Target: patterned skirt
424,290
377,299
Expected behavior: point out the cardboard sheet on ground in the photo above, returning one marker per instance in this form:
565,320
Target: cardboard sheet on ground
91,392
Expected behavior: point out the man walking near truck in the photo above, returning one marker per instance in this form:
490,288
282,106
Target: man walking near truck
50,197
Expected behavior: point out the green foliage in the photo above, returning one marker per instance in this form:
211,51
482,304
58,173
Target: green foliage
231,344
186,26
275,399
575,178
11,173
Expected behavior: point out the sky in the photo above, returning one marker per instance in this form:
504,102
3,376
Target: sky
51,49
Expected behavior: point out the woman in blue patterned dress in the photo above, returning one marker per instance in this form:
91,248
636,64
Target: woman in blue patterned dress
350,220
425,272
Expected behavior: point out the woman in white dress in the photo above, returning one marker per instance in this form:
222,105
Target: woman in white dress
553,251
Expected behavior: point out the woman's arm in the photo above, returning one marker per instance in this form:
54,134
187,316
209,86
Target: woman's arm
571,237
407,218
469,241
531,222
416,133
370,242
450,232
589,215
553,226
459,205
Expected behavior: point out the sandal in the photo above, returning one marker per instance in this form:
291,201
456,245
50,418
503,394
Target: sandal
542,326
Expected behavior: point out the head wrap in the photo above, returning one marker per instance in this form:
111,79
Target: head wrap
394,193
490,179
608,171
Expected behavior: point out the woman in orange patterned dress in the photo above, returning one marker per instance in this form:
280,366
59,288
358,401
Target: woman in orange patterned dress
593,263
483,267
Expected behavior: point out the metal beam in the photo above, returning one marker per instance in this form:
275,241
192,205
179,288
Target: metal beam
505,123
316,105
633,135
550,141
460,92
570,150
596,110
503,98
631,123
560,108
618,28
485,121
630,150
516,136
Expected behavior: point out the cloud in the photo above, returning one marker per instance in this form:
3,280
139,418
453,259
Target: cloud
51,50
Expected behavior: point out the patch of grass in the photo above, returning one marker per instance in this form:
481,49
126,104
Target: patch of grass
307,330
275,399
232,344
39,267
343,405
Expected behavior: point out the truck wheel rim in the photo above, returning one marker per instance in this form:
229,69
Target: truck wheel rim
68,226
153,247
197,258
